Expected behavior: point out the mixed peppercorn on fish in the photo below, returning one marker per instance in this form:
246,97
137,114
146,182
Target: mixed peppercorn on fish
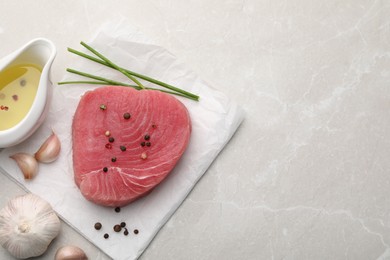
125,142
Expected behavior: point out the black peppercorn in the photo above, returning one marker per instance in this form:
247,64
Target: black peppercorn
111,139
113,159
136,231
98,225
143,144
123,224
105,169
117,228
147,137
148,144
123,148
117,209
126,115
126,232
106,236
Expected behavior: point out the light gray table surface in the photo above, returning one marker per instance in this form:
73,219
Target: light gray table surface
307,175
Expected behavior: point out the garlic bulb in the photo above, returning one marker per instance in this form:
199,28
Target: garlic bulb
27,226
27,164
49,150
70,253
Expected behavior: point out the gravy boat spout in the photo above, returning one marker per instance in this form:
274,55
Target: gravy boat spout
39,53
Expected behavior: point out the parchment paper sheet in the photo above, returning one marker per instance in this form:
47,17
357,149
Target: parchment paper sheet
214,119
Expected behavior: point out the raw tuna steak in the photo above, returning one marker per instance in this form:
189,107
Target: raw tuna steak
125,142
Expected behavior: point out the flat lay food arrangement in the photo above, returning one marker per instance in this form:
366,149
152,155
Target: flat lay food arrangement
126,139
159,130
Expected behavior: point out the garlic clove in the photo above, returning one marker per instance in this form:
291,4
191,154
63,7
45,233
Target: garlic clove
70,253
27,164
49,150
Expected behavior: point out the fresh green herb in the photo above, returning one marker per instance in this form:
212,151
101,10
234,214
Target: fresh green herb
133,76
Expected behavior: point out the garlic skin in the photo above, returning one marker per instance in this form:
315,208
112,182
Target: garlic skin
28,224
70,253
49,150
27,164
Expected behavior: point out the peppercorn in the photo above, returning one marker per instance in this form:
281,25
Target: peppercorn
126,232
98,225
23,82
143,144
126,115
111,139
117,209
123,224
148,144
113,159
117,228
136,231
106,236
105,169
123,148
147,137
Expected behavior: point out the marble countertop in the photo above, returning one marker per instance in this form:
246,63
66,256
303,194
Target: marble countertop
306,176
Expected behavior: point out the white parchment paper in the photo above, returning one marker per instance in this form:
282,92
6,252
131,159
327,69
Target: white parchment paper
215,118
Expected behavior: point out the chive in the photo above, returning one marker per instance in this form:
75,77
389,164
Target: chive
100,79
174,90
112,64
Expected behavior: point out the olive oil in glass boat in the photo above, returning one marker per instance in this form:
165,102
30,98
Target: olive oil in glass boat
25,90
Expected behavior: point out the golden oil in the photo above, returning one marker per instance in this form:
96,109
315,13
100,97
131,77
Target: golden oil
18,88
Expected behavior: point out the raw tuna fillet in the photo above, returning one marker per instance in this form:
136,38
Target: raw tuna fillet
125,142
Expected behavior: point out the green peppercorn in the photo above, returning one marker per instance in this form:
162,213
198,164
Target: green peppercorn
23,82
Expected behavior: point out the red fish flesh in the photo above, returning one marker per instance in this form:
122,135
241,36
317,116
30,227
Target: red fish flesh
125,142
